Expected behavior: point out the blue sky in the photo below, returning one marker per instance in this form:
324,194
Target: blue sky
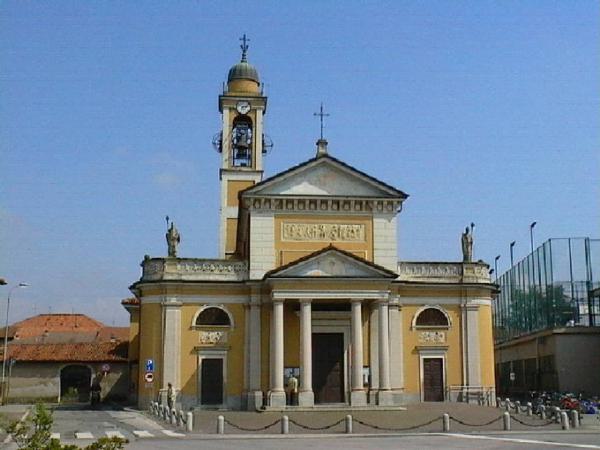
481,111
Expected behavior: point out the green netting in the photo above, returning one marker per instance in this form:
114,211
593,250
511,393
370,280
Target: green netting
549,288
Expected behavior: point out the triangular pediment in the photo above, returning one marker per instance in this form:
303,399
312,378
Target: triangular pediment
324,176
331,263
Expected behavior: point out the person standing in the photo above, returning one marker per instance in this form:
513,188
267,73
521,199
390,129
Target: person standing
293,389
170,396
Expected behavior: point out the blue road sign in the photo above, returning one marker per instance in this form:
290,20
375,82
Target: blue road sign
149,365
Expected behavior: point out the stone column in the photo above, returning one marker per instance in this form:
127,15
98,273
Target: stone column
471,351
373,352
255,395
171,346
277,394
306,396
384,396
358,396
396,351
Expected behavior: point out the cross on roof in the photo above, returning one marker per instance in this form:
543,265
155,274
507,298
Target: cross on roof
244,46
321,115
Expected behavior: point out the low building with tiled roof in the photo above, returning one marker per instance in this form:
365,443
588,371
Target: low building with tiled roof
56,357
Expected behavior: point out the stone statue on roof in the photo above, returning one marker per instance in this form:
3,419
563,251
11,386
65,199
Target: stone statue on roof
467,244
173,240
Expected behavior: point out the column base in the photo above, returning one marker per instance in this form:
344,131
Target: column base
358,398
277,399
254,400
372,396
306,398
385,398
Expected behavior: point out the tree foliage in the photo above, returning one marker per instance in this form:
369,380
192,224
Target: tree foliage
34,434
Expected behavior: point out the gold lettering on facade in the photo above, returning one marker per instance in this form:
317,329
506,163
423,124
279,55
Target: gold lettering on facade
328,232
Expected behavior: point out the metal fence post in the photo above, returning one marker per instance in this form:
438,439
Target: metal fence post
190,421
349,424
285,425
220,425
564,420
575,418
446,422
506,419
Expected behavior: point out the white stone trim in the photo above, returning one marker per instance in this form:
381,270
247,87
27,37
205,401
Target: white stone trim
208,299
396,347
472,358
443,300
432,353
222,307
262,244
374,348
282,294
414,326
210,353
385,244
171,344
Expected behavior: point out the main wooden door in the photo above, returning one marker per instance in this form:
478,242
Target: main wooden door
211,379
433,379
328,367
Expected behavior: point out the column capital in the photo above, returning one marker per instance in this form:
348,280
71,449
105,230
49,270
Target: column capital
357,300
305,300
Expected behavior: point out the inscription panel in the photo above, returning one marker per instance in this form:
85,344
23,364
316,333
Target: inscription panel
322,232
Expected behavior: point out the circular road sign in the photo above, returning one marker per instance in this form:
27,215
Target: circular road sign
149,377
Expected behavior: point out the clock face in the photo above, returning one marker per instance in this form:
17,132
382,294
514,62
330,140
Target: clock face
243,107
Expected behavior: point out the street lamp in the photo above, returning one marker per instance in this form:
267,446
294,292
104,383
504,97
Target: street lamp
512,244
533,224
20,285
496,266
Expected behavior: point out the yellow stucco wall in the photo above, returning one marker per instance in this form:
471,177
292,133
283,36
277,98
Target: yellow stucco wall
412,373
150,348
287,251
234,187
190,342
231,236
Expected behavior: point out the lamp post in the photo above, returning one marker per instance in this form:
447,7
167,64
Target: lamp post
20,285
512,245
533,224
496,266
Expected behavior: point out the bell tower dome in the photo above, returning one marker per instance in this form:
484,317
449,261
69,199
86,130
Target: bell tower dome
240,142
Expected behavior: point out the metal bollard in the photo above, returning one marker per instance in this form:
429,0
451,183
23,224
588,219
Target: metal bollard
348,424
285,425
506,420
543,412
517,407
529,409
446,422
507,405
173,416
557,416
575,418
498,402
179,418
189,424
564,420
220,425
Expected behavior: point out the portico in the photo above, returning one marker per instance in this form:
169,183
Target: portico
327,302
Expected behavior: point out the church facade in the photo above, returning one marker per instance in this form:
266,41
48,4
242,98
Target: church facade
308,285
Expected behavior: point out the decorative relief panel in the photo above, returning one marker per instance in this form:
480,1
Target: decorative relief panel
193,269
432,337
328,232
213,337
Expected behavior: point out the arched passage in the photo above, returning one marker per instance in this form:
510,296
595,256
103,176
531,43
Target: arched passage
75,381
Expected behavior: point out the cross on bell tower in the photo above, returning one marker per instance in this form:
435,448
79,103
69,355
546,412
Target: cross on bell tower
321,143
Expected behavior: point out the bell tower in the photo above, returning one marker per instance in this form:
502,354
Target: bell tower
241,143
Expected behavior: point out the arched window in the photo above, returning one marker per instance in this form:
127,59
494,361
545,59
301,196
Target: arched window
241,142
432,317
213,317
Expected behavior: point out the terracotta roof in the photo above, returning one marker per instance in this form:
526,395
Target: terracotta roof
82,352
54,323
